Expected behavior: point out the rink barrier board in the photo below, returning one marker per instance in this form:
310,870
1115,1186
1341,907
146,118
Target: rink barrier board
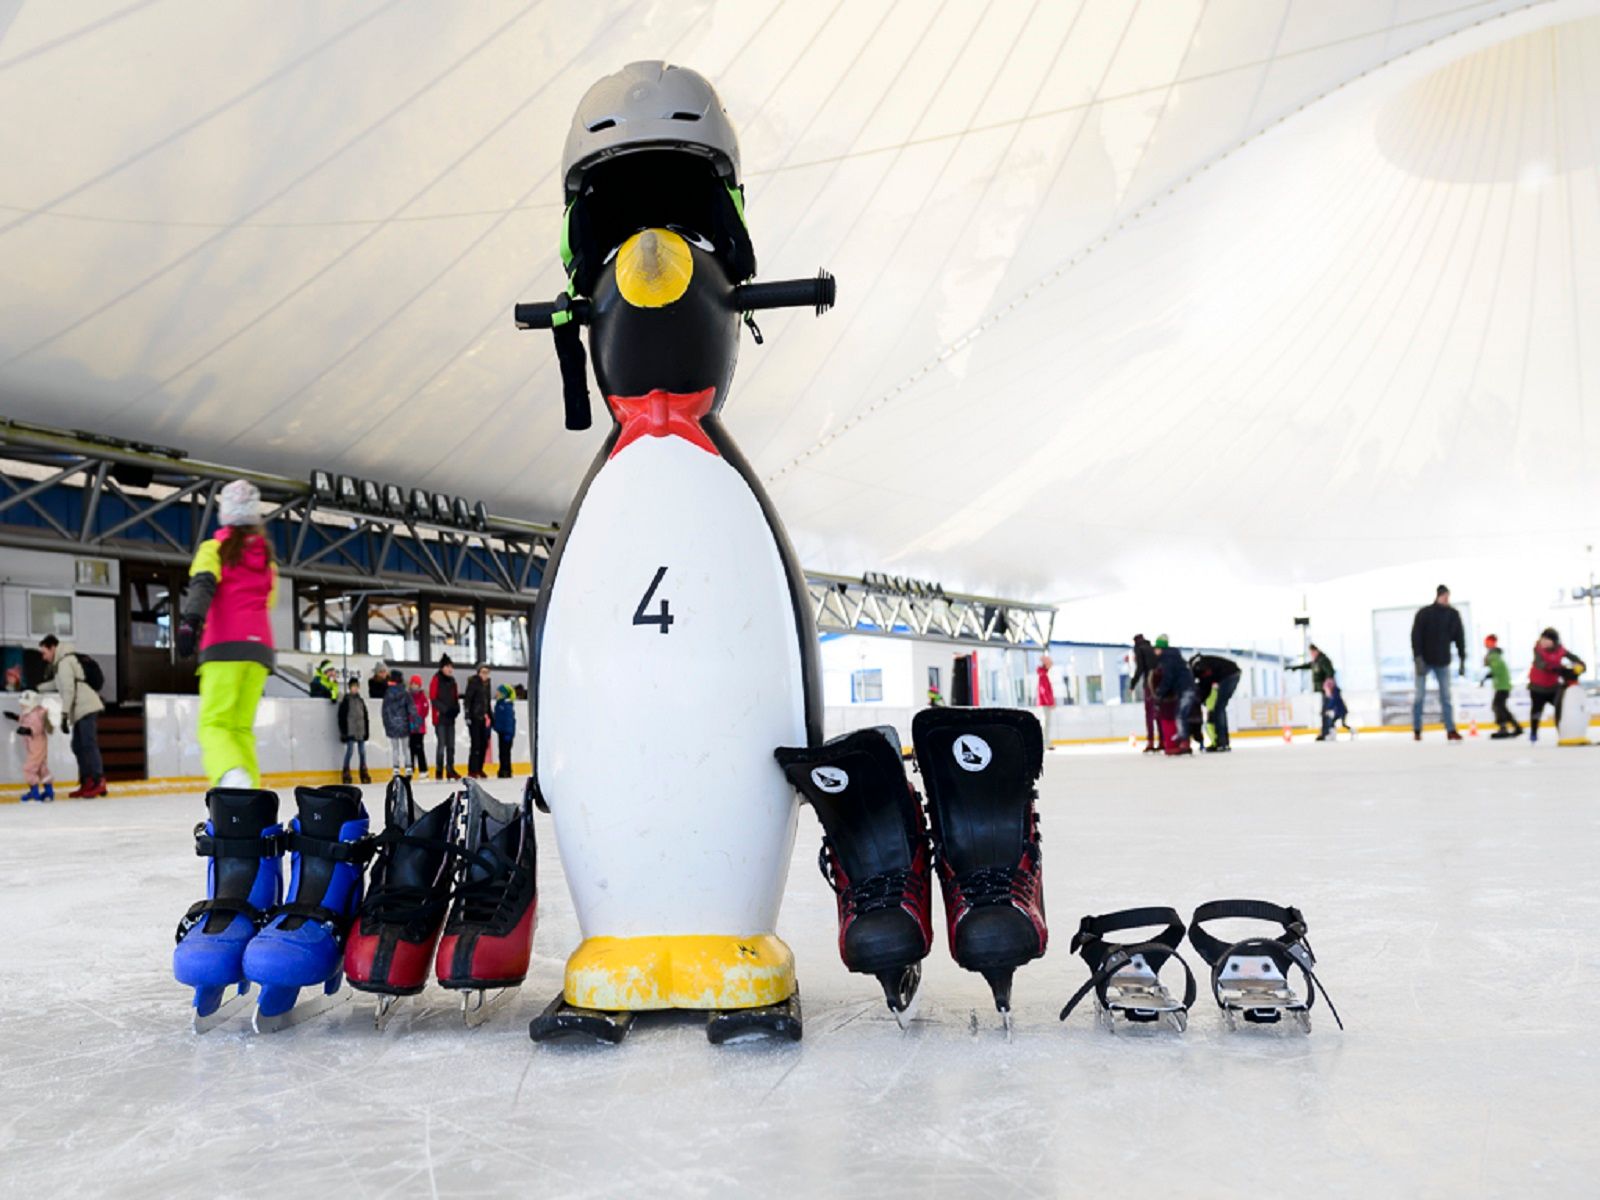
291,779
274,781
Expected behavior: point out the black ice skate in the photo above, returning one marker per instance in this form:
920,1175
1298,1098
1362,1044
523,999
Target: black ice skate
875,855
980,766
1250,978
1125,976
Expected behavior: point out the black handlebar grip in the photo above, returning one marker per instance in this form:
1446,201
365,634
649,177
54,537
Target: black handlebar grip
534,316
542,316
815,293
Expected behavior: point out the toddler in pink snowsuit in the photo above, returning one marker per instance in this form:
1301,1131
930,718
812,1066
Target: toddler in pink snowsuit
33,726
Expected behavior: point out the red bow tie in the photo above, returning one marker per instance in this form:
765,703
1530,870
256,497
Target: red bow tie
662,414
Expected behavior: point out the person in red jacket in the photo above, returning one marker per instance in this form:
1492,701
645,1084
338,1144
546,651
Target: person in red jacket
419,725
446,697
1548,677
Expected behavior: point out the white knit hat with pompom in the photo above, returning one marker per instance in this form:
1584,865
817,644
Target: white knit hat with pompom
239,503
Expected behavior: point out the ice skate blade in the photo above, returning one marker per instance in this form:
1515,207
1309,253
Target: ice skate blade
479,1004
385,1011
225,1011
904,1016
781,1020
560,1019
900,991
300,1013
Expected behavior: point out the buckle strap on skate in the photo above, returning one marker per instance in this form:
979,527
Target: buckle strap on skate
1290,951
357,851
310,912
1105,958
202,909
209,845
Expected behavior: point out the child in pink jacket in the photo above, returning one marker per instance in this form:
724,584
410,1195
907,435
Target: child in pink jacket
34,727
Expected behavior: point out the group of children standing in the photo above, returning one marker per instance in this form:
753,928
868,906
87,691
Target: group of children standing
406,711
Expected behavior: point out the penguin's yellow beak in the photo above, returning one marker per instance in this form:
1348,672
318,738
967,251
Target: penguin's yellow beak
654,268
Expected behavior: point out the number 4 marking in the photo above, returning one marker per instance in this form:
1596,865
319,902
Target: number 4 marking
664,618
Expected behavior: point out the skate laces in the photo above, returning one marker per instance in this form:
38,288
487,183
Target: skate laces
884,890
988,885
481,900
404,904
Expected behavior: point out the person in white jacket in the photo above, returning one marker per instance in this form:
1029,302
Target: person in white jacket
81,707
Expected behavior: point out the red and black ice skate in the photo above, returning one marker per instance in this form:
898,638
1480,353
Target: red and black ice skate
391,945
488,938
875,855
980,767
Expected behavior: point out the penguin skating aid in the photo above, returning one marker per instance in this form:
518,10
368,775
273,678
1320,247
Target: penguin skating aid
673,573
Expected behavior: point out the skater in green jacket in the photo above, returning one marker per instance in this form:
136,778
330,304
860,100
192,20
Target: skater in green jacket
1494,661
1326,681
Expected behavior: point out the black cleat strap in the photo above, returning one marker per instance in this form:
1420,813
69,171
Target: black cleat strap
1213,949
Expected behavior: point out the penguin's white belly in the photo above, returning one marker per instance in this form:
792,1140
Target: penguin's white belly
657,718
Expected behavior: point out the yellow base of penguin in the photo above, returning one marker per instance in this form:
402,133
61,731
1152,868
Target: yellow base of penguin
692,971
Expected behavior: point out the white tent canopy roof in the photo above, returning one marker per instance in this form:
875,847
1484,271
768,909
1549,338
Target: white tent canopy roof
1309,288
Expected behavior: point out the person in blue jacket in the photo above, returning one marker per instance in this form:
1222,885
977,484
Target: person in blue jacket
505,728
1177,680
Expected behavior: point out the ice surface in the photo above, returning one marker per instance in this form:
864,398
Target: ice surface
1452,897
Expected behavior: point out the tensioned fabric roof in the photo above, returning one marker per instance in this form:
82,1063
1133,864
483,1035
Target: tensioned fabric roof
1285,288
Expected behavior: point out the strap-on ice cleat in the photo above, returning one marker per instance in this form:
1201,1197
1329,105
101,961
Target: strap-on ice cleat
243,843
302,944
488,936
874,855
980,766
1250,978
1125,976
391,945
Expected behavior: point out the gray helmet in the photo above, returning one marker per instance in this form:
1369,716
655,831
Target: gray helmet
649,106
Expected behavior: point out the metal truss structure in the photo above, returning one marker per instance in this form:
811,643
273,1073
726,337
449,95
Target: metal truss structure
882,607
118,499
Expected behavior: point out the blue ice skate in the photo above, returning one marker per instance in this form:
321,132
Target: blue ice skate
244,879
302,945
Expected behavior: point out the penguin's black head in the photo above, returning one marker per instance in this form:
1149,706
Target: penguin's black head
663,317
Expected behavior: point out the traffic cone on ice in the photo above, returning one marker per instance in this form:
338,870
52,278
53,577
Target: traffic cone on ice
1133,741
1472,727
1288,734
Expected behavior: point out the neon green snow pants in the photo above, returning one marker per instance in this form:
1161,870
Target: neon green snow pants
229,693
